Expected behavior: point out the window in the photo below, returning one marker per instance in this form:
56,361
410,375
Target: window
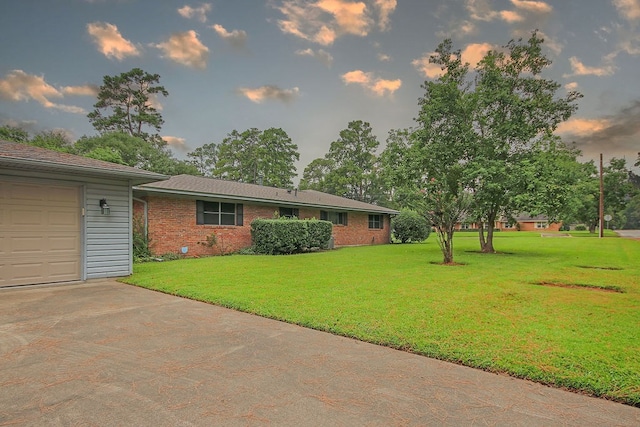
339,218
218,213
540,224
289,212
464,226
507,225
376,221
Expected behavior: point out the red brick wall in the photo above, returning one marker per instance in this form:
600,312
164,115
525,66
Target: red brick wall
531,226
357,232
172,226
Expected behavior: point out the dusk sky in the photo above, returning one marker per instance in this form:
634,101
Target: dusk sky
307,66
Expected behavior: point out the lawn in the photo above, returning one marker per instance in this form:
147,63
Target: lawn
581,330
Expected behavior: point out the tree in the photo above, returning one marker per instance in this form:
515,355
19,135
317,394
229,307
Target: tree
13,134
349,169
410,226
125,104
399,172
515,108
314,175
617,191
122,148
257,157
204,158
444,145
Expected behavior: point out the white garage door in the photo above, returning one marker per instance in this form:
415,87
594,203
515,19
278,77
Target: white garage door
39,233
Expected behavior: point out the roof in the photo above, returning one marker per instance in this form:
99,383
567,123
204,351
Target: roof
188,185
23,156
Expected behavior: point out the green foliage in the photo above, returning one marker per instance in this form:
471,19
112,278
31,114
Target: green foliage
141,249
488,312
253,156
125,104
581,227
288,236
349,169
410,226
13,134
122,148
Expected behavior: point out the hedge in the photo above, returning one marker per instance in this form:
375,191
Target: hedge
288,236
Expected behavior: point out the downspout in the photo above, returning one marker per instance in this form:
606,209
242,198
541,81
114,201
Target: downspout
146,218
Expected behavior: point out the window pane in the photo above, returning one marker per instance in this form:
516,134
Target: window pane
211,218
228,219
228,208
210,206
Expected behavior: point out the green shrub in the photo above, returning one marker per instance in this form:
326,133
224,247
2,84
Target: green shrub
141,249
410,226
581,227
287,236
319,233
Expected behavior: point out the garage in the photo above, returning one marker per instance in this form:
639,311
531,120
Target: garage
64,217
40,240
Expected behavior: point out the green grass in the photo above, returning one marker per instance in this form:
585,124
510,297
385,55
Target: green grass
489,312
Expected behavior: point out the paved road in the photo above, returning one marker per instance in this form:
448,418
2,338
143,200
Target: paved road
633,234
109,354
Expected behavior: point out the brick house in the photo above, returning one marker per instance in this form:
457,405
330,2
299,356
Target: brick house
181,213
523,222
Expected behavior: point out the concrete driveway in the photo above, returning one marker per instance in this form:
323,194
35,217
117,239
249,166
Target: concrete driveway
631,234
107,354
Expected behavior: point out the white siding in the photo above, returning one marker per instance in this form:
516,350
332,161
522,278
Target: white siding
108,237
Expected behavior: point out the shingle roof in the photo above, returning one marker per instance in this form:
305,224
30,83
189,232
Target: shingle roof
24,156
217,188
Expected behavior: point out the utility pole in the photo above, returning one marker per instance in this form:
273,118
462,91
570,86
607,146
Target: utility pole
601,210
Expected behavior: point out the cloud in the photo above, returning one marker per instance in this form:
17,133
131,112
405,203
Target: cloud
474,53
321,55
571,86
427,69
375,85
385,9
616,134
236,38
323,21
199,13
186,49
471,54
267,92
538,7
628,9
579,69
176,142
85,90
110,42
382,57
19,86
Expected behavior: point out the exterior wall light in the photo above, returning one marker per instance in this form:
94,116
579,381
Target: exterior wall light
104,207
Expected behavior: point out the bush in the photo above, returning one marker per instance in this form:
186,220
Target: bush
288,236
581,227
410,226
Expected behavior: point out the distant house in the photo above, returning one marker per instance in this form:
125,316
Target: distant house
523,222
181,213
64,217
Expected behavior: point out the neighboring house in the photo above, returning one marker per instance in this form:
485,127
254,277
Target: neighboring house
523,222
526,222
181,213
64,217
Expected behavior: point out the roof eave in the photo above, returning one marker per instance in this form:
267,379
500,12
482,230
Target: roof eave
261,200
142,177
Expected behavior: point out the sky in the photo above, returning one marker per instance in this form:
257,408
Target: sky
307,66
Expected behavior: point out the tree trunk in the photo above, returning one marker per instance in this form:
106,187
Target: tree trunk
481,235
448,248
488,245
